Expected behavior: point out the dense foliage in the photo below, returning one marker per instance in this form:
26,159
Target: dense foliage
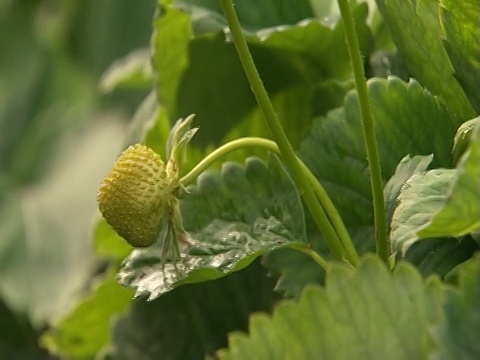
257,277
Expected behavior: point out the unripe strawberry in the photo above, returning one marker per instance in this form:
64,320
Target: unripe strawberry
135,195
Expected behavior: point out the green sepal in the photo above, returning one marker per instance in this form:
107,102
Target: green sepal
179,137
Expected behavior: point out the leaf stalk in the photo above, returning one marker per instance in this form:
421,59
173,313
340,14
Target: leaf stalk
376,181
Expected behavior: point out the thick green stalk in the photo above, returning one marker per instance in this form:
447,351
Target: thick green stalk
278,133
376,181
322,196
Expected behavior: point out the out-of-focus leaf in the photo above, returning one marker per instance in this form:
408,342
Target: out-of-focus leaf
19,89
456,336
326,10
310,55
170,43
214,67
295,270
367,314
145,119
157,136
13,257
408,120
132,71
194,320
319,45
440,256
101,31
461,140
48,98
461,213
18,339
460,24
85,330
54,148
45,253
108,244
207,15
231,218
317,42
384,63
421,47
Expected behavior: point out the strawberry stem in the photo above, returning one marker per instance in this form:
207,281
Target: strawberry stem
373,157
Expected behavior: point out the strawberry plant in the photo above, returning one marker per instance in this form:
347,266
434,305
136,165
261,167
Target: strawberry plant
323,201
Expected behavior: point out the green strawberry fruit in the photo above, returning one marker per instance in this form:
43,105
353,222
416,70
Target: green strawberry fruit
135,195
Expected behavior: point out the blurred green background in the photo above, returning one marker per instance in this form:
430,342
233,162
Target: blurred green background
58,137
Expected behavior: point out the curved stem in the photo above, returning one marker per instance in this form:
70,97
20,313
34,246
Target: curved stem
224,150
278,133
322,196
315,256
376,181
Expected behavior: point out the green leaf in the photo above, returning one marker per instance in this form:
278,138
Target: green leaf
327,9
214,65
170,42
364,315
423,195
420,45
431,255
85,330
460,215
207,15
309,55
108,244
132,71
457,335
145,119
149,125
320,46
295,270
460,24
157,134
297,35
245,195
194,320
231,218
406,168
97,33
408,120
439,203
440,256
